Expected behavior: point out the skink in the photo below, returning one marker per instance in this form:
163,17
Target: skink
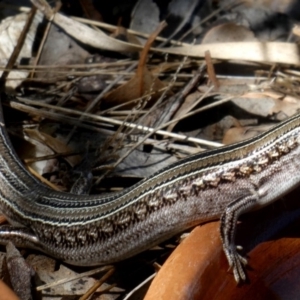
92,230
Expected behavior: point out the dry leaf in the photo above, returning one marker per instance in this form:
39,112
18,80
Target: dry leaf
20,272
7,293
90,11
238,134
60,50
255,103
54,144
10,30
267,104
70,288
267,52
228,32
84,33
142,83
144,17
296,30
136,87
285,109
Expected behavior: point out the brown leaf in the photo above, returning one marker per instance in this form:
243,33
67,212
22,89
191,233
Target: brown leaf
142,83
7,293
238,134
90,11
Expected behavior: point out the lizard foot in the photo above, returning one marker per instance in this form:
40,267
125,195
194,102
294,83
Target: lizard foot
237,263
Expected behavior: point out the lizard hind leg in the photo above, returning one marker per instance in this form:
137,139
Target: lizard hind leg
19,236
228,228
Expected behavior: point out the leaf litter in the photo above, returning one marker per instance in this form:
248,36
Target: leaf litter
104,103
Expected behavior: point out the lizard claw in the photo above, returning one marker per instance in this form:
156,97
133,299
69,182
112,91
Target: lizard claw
237,263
